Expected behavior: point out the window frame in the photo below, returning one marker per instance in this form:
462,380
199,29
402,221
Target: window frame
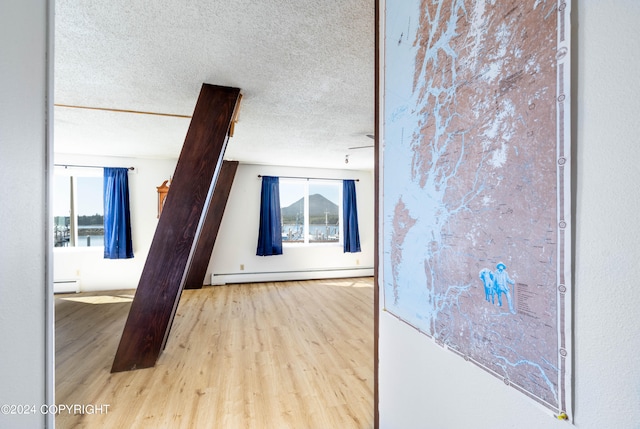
71,176
306,183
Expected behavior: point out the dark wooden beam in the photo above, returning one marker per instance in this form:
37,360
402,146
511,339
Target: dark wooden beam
204,247
162,280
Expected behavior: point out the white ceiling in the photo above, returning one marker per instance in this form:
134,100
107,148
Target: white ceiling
305,69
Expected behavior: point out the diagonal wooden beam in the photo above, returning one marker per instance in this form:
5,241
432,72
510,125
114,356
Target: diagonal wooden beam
173,246
213,218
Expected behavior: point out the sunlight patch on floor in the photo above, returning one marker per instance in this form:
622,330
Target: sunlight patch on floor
351,283
100,299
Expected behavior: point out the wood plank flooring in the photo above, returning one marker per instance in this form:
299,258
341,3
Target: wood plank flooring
261,355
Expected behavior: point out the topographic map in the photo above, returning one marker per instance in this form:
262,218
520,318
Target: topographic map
474,184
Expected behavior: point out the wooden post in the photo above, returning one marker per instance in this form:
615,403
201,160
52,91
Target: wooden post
163,277
204,247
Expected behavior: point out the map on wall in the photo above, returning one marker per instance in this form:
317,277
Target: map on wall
476,190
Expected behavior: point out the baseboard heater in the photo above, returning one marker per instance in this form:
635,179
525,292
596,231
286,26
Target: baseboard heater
274,276
66,286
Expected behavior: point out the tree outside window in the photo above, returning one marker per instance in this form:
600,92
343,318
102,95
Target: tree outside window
78,212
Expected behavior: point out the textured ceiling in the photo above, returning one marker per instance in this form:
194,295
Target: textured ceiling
305,69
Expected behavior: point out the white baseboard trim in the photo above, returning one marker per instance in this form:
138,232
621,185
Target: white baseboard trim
221,279
66,285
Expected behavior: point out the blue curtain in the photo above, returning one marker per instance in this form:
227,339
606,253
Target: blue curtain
117,219
270,234
351,236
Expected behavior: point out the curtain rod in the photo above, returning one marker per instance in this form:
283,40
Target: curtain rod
89,166
308,178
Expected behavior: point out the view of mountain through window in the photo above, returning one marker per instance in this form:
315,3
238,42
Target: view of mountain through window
311,211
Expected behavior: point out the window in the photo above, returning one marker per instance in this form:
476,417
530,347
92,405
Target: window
311,211
78,211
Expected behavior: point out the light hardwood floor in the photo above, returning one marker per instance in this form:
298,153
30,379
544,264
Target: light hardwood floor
262,355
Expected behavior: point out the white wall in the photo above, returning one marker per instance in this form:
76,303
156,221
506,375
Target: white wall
25,370
87,263
423,386
238,237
